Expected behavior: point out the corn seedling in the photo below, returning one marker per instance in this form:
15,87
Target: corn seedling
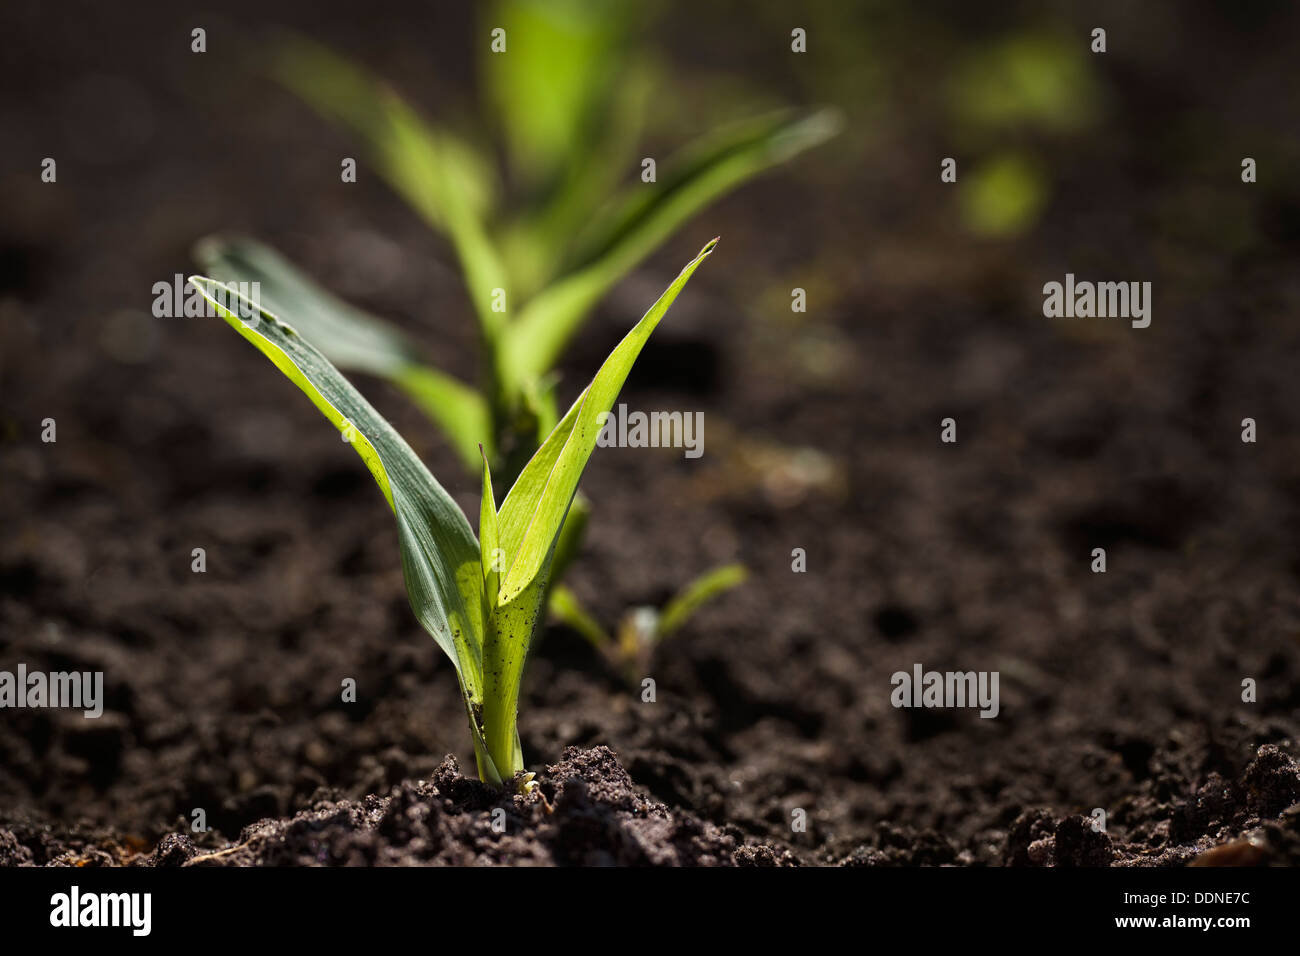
533,272
566,90
480,599
567,95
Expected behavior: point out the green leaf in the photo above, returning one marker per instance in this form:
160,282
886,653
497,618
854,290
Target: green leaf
567,609
344,93
529,523
569,542
696,594
457,409
571,94
488,539
346,335
536,243
536,506
505,650
434,171
440,556
351,338
444,178
552,86
644,218
501,751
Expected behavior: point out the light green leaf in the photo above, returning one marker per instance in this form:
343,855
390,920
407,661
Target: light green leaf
351,338
433,171
562,64
531,516
440,557
569,542
644,218
505,650
536,243
346,335
696,594
571,94
567,609
458,410
488,538
344,93
529,523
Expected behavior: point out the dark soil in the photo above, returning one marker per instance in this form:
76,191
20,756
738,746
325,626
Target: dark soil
1119,691
585,812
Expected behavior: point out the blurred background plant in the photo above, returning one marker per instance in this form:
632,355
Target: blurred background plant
630,650
1004,101
540,237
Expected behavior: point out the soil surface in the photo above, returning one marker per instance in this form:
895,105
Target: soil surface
1120,692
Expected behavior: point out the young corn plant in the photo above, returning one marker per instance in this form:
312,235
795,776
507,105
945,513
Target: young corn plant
536,266
565,90
480,599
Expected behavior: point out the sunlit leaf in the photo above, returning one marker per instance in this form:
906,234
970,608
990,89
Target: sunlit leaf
488,539
351,338
530,519
440,556
536,242
533,512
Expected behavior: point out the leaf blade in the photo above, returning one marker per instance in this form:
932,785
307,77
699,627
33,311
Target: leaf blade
443,177
645,218
534,510
440,556
488,539
530,521
580,48
567,609
696,593
352,338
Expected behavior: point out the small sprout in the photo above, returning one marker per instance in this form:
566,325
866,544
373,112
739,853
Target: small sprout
697,593
483,612
642,629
